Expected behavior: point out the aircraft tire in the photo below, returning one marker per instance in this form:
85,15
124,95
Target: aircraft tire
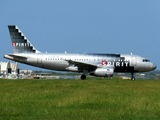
133,78
83,77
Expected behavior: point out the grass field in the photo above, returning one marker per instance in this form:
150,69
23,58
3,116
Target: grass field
93,99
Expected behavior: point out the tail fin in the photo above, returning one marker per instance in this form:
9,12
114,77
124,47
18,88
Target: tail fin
19,42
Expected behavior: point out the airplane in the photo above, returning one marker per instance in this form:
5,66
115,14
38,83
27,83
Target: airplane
95,64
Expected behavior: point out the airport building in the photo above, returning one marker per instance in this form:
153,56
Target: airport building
9,68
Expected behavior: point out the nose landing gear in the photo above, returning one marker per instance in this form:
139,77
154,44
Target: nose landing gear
132,76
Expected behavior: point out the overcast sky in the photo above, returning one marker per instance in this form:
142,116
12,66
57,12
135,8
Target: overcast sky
84,26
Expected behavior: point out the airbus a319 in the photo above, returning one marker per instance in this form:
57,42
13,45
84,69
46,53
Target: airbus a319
96,64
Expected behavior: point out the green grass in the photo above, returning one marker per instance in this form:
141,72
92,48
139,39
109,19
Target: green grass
93,99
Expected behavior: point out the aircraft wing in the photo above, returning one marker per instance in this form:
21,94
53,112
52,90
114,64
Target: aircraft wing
80,63
88,66
83,65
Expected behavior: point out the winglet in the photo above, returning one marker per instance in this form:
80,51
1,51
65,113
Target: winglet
19,42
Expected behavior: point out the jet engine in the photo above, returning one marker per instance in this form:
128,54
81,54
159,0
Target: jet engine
103,72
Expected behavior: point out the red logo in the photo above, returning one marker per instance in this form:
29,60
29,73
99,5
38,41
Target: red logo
13,43
104,63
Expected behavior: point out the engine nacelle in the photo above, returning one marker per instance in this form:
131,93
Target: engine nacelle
103,72
72,68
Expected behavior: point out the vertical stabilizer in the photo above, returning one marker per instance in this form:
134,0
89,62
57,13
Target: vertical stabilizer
19,42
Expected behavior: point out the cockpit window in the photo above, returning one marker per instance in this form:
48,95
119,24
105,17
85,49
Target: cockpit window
146,60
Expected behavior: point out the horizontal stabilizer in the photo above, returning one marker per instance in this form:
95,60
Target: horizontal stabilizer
14,57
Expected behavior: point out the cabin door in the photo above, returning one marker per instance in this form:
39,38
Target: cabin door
39,59
133,60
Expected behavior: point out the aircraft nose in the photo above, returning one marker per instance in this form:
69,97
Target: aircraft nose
154,66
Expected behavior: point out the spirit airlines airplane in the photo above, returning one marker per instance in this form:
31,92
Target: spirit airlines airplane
96,64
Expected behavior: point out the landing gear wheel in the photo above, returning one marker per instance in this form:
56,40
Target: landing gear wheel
83,77
133,78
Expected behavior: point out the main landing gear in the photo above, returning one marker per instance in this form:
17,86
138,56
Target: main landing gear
83,77
132,76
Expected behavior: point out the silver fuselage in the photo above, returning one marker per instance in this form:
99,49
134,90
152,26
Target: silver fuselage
60,62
